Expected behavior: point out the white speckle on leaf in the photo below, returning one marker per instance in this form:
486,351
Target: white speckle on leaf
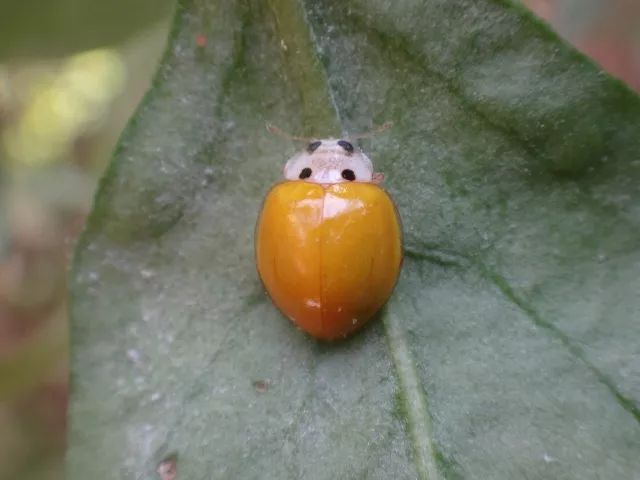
133,355
142,440
147,273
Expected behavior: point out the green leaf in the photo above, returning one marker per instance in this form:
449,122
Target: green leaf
510,348
44,28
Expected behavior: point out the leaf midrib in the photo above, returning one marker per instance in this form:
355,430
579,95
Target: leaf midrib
413,394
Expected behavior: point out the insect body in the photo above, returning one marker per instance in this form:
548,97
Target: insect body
328,240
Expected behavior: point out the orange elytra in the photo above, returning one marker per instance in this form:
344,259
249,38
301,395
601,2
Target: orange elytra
329,240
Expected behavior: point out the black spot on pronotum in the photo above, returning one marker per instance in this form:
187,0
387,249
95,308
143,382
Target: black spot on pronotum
305,173
346,145
348,174
313,146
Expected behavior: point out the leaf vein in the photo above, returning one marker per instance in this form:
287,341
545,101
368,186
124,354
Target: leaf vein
418,417
501,283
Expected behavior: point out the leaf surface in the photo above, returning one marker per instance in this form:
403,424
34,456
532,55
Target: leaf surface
510,348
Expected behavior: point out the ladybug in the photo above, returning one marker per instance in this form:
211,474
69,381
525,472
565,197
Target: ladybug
329,240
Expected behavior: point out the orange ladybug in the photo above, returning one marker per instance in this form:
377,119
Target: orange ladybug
329,240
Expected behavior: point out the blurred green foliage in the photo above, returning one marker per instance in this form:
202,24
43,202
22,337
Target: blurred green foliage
52,28
60,105
59,119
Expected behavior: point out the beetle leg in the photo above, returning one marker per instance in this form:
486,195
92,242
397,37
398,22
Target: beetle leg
377,178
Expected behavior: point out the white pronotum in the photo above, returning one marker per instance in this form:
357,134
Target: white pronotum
330,161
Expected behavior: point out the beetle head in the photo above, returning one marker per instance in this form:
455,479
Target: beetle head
330,161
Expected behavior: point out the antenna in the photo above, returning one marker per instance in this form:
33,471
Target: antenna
386,125
281,133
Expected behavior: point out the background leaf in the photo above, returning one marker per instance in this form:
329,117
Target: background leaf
510,348
72,25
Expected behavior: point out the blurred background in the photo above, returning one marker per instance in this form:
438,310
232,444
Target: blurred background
70,77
